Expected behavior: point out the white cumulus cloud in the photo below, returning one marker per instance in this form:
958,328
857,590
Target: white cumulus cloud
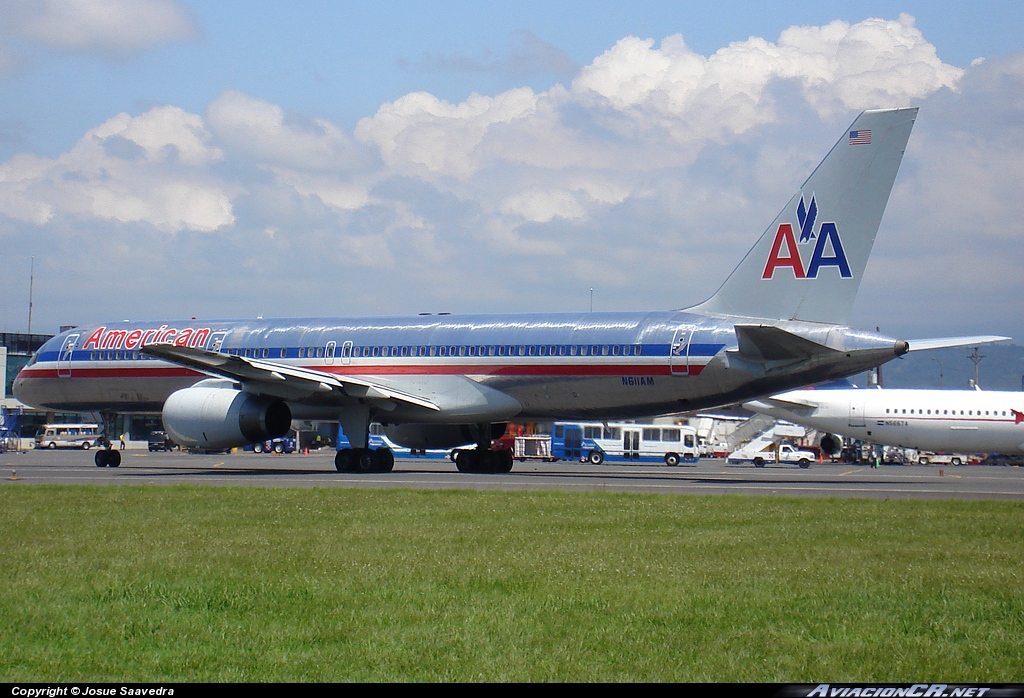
422,132
150,168
104,26
262,131
839,66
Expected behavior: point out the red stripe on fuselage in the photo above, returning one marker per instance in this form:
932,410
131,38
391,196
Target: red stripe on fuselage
390,370
77,372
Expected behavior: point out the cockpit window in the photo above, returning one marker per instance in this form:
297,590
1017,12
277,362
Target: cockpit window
35,357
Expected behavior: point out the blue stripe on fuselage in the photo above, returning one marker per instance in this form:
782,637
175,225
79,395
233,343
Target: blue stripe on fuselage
639,335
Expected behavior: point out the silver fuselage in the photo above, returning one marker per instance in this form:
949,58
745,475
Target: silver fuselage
572,366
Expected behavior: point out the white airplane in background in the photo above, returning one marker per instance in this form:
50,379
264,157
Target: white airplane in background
958,421
440,381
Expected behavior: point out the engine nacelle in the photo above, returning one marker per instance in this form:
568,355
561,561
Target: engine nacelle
439,435
220,416
831,444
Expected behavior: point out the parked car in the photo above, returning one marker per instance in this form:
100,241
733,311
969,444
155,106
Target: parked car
160,441
787,454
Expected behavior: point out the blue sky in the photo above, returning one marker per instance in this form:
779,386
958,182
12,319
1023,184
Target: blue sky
164,159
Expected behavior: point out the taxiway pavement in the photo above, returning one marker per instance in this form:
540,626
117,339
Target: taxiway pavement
706,477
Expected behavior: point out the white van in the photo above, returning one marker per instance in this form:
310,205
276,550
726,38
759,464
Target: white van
83,436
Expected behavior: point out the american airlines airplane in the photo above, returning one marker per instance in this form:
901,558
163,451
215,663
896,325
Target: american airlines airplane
440,381
958,421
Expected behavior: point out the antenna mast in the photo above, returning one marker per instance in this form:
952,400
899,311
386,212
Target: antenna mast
31,281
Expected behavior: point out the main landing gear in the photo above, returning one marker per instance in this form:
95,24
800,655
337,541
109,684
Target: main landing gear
107,458
481,460
364,460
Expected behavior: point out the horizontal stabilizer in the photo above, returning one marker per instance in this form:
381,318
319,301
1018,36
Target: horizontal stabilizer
759,343
953,342
792,401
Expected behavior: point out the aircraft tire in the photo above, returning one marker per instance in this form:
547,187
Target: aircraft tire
465,461
595,457
100,459
343,460
671,459
502,462
385,460
366,460
113,459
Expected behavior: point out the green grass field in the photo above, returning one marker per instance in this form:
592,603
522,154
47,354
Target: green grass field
254,584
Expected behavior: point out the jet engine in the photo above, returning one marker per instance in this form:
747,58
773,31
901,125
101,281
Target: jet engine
439,435
831,444
213,414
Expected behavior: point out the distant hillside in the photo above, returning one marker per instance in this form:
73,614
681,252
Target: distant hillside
1001,369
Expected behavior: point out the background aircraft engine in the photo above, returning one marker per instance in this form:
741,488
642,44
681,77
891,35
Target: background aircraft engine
438,435
831,444
223,417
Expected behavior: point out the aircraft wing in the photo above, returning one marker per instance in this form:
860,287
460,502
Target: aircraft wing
283,381
953,342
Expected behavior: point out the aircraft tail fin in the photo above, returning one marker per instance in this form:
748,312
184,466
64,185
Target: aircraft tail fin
809,263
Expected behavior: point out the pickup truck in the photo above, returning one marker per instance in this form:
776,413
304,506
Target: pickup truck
787,454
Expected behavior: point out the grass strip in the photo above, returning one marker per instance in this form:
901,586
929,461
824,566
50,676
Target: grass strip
264,584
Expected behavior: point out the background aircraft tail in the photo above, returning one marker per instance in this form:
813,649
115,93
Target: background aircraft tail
809,263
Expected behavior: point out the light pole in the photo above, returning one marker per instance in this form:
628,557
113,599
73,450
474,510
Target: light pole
942,374
976,358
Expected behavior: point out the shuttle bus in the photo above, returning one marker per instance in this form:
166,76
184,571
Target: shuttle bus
622,442
83,436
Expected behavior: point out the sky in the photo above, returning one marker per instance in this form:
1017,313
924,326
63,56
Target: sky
166,159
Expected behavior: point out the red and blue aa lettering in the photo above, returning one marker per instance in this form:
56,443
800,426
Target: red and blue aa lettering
828,247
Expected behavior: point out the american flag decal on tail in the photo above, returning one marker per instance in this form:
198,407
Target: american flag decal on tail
862,137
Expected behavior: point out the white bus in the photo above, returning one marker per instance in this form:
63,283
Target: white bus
621,442
83,436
